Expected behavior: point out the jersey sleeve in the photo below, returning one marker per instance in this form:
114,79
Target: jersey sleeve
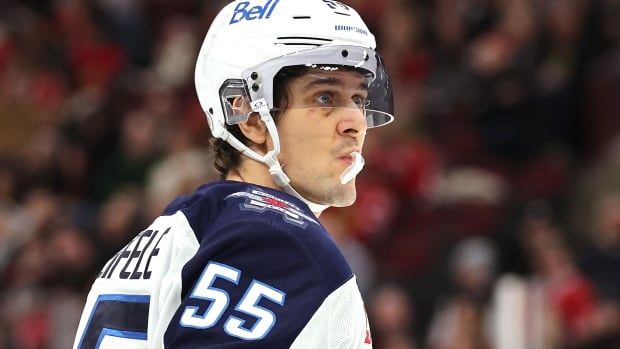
136,293
256,285
340,322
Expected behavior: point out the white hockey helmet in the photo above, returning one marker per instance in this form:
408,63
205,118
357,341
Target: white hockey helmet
250,41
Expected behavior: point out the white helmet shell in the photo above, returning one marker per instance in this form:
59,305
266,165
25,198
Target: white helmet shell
247,33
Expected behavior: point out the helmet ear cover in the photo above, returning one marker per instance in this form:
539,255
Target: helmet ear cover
235,100
235,95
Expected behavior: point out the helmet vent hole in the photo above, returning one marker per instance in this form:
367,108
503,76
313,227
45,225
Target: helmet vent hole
301,41
254,75
345,53
254,87
211,111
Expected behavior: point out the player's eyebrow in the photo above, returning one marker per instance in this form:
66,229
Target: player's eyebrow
330,81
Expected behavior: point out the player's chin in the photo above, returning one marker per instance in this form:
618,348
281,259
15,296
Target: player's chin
345,195
330,191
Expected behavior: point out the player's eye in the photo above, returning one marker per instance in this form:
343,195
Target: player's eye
325,99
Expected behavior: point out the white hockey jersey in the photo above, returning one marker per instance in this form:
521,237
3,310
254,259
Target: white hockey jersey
231,266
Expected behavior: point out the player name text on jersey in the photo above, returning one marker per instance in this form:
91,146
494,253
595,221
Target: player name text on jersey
133,261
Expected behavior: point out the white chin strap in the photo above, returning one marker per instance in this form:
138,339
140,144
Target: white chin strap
271,158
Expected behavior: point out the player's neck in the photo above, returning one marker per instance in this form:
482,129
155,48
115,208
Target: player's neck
250,171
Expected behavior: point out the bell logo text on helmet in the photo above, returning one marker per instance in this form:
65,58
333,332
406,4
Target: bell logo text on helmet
255,12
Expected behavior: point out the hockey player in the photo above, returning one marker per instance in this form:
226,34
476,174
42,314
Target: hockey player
289,89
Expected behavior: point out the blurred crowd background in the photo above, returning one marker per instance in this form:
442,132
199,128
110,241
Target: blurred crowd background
488,214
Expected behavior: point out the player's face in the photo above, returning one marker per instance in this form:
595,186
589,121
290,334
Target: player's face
323,125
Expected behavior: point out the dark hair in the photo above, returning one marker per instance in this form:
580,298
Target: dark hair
225,157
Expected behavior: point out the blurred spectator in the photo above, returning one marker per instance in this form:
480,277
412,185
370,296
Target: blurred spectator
118,221
601,261
460,319
556,306
130,162
124,21
175,57
459,324
392,317
473,266
569,295
165,181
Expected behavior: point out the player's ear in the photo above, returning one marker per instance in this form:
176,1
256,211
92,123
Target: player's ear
254,128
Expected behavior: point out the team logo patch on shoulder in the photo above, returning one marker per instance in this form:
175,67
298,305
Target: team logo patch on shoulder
259,201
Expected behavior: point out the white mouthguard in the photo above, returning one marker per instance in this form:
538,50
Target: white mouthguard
353,169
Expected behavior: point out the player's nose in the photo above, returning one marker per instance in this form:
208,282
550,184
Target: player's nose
352,121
